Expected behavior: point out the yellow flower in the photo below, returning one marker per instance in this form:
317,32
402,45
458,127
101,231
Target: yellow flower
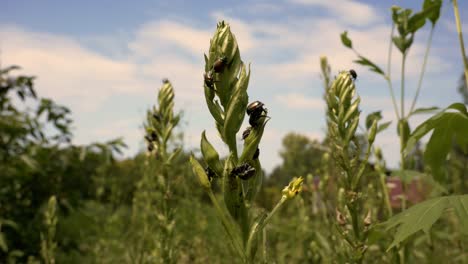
294,187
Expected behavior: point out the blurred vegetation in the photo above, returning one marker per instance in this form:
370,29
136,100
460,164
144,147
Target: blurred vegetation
64,203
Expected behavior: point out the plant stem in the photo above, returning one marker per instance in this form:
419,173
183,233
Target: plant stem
227,225
389,70
402,90
426,56
460,37
261,225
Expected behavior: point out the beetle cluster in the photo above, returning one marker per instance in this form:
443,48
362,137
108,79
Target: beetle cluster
244,171
218,67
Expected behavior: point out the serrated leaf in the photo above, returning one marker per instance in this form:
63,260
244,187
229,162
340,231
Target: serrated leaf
447,126
422,216
345,40
373,67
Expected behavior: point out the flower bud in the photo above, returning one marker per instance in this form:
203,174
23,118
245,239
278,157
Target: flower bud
294,187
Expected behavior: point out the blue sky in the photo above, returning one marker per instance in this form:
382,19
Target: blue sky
105,60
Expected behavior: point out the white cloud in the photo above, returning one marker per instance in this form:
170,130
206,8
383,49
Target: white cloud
300,101
352,12
66,70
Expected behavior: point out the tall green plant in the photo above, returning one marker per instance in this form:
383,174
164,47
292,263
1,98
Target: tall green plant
342,121
153,206
226,80
48,244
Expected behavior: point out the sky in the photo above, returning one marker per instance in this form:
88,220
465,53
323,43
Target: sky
105,60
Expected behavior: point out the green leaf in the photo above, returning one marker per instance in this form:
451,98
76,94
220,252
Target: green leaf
373,67
432,10
423,215
433,7
210,155
424,110
345,40
236,109
255,183
460,203
377,115
215,111
403,131
252,141
417,21
447,125
383,126
3,244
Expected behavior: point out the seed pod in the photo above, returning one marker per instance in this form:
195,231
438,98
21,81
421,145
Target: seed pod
200,172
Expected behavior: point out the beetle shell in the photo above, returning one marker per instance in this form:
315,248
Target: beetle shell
254,106
219,65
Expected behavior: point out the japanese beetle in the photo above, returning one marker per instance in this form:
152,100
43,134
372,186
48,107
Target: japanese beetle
210,173
150,147
255,111
256,154
246,133
353,74
209,80
244,171
165,80
253,107
220,64
154,136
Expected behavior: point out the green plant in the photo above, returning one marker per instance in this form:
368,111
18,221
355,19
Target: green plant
227,78
48,244
153,205
342,121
